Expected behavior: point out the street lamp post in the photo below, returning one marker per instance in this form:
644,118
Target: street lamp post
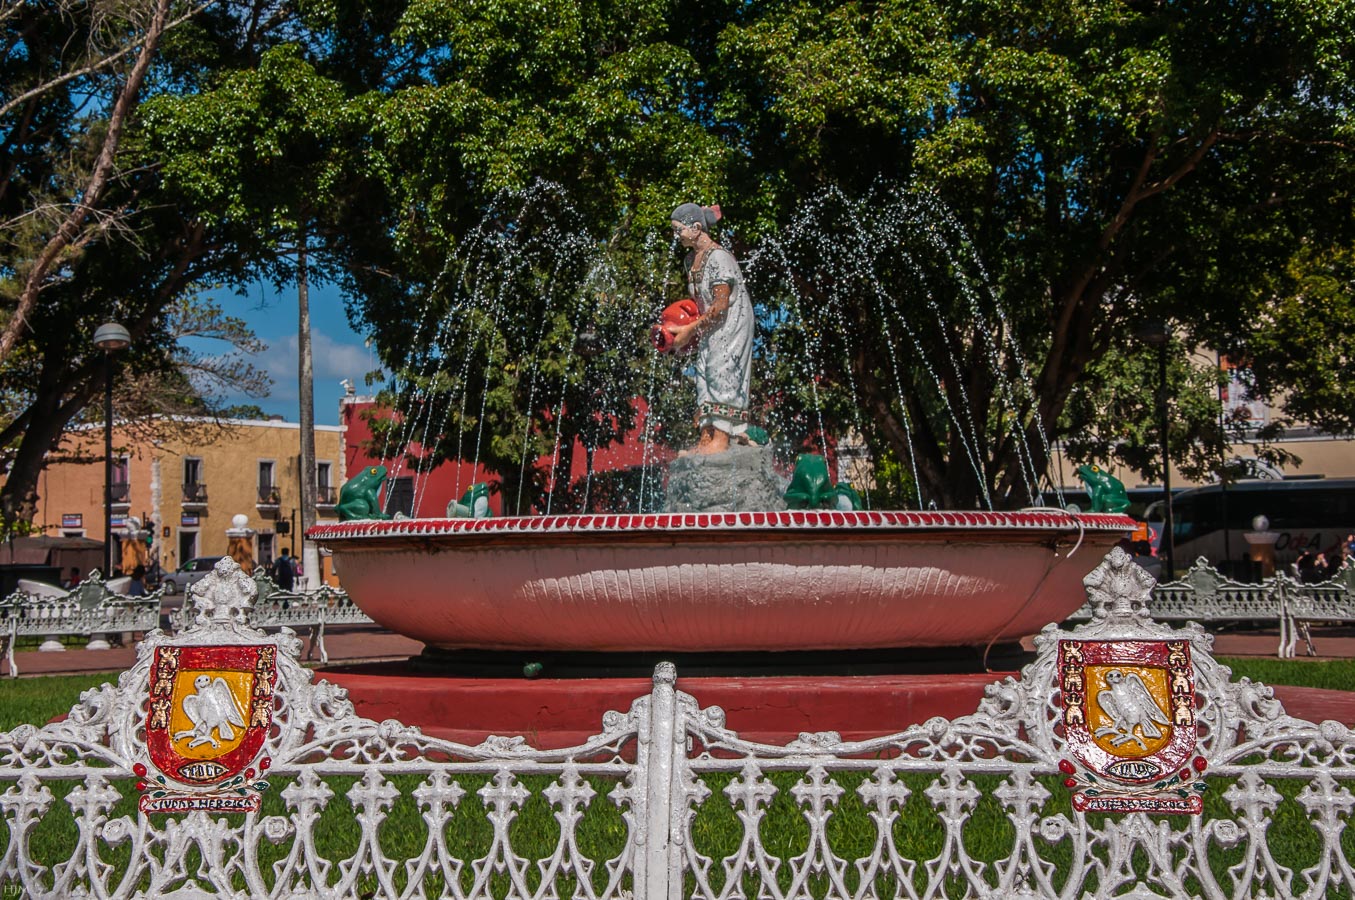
1156,334
109,338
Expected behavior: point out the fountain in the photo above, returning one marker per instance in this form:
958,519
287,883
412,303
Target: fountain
801,580
748,580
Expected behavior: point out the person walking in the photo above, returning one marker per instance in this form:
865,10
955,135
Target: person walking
284,573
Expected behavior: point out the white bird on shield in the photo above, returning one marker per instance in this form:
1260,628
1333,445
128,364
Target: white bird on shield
1129,704
212,708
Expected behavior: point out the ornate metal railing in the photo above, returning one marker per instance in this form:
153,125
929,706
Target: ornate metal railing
212,767
312,610
1204,595
194,493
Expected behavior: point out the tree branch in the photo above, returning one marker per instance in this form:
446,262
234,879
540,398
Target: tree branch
17,326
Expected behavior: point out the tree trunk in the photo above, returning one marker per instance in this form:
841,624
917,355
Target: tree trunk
310,557
47,421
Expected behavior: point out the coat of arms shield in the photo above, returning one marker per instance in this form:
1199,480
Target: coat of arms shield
1129,720
209,715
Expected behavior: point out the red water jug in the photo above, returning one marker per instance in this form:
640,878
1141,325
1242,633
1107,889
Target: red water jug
683,312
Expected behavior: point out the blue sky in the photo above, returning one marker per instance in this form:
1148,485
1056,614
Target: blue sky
338,351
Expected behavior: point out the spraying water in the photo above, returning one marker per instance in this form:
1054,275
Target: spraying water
497,377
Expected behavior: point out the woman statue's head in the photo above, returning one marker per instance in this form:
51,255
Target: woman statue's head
689,214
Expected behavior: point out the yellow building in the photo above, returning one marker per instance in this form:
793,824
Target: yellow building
184,480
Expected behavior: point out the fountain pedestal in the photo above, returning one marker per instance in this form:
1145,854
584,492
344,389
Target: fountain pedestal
741,478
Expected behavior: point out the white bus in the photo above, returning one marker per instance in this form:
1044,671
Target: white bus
1309,514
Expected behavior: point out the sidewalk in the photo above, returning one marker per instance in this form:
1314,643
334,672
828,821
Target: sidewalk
348,646
559,712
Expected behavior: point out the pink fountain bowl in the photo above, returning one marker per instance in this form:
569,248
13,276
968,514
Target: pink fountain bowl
763,581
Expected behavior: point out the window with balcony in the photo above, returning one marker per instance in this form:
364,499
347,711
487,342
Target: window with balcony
324,489
120,488
268,487
194,490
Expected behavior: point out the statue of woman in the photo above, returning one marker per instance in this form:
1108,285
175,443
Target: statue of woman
724,329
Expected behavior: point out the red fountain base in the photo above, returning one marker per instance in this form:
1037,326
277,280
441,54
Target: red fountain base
562,712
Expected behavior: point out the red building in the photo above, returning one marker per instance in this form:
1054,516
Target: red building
427,495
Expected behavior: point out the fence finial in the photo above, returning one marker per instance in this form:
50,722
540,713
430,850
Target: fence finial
1119,589
225,596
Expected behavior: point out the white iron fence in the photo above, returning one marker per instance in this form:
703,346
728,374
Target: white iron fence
92,610
140,792
88,610
1203,595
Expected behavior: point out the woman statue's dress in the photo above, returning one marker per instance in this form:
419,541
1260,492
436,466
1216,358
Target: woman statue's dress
724,358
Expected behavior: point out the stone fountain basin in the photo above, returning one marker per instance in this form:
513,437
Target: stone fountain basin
721,581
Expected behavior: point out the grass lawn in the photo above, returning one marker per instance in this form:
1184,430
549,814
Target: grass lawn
717,828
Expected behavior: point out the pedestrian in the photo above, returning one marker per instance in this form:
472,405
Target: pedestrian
138,586
1311,567
284,574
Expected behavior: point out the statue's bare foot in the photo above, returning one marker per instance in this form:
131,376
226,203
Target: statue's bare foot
712,442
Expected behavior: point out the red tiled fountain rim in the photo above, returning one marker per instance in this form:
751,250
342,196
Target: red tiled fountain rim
795,520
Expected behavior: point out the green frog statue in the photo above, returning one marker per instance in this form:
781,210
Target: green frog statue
811,487
360,497
474,504
1107,492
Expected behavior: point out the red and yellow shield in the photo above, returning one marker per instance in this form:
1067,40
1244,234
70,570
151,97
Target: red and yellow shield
210,710
1129,718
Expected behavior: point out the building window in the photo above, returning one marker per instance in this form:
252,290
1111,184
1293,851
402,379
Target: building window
265,553
268,486
401,496
324,494
119,489
194,491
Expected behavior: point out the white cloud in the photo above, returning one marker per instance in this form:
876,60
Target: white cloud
336,360
333,360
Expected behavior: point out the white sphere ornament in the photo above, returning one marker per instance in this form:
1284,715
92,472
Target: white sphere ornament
240,521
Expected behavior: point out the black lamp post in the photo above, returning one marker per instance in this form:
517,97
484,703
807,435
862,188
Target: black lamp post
1156,334
109,338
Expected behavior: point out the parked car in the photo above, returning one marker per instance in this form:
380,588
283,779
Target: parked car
190,573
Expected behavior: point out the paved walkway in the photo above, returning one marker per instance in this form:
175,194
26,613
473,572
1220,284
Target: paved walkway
558,712
348,646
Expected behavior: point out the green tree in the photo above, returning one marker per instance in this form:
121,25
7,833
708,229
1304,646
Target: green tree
1097,166
1109,164
90,230
1301,348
